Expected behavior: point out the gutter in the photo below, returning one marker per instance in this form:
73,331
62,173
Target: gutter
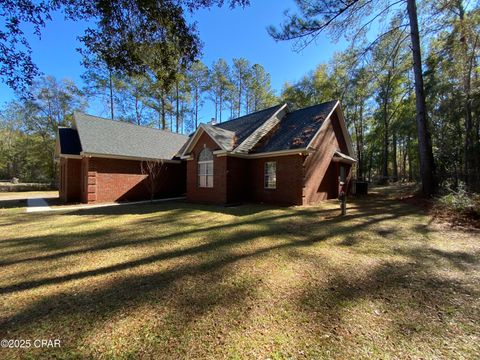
122,157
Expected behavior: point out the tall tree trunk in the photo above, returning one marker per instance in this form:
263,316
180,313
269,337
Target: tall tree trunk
137,112
394,157
220,104
410,162
163,111
110,84
196,108
467,68
177,110
427,164
370,161
239,95
361,154
385,141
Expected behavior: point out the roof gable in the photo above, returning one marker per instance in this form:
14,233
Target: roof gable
263,130
273,130
224,138
229,134
99,136
245,125
297,129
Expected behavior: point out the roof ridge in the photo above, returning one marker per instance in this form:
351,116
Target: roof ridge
128,123
256,112
311,106
210,126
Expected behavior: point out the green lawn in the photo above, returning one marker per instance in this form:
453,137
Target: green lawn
177,280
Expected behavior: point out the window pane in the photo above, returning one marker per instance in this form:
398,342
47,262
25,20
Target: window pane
205,155
205,168
209,180
270,175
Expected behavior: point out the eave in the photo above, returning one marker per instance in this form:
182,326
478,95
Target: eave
123,157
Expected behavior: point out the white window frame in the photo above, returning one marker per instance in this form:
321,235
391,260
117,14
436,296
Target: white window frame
268,175
205,174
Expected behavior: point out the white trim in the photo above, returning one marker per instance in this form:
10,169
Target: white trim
323,124
194,139
69,156
121,157
206,175
265,174
301,151
341,157
343,126
281,153
346,134
220,152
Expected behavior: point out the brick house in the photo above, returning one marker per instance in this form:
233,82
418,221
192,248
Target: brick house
273,156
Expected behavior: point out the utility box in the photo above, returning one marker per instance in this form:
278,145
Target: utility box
361,188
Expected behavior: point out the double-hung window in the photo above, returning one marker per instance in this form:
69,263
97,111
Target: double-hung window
205,168
270,175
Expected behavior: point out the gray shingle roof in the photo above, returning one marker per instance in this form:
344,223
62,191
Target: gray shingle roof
107,137
224,138
297,128
69,141
245,125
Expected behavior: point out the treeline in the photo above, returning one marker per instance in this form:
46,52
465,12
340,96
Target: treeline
375,84
28,125
234,89
402,105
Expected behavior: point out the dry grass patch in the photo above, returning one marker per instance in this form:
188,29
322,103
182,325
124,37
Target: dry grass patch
176,280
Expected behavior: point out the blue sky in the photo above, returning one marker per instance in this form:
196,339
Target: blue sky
225,33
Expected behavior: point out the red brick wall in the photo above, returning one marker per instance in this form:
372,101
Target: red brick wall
108,180
238,176
328,188
63,180
289,180
88,182
217,194
239,180
319,164
70,180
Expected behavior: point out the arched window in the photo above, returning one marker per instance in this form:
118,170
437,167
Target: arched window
205,168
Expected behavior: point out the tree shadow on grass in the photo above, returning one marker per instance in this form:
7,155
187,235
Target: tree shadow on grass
147,208
209,265
405,306
309,220
13,204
